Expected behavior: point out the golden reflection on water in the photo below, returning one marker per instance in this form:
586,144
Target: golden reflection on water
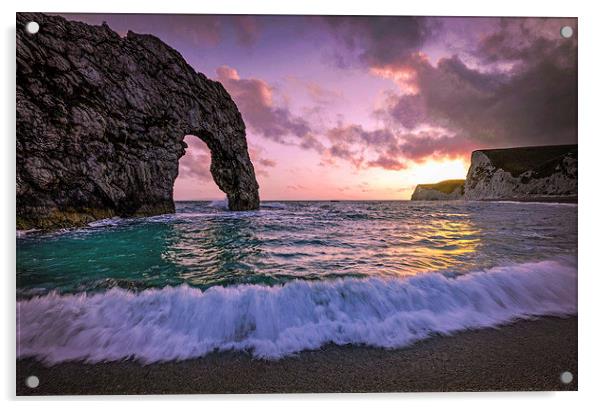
442,244
230,249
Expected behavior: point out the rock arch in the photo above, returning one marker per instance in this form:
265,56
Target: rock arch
101,121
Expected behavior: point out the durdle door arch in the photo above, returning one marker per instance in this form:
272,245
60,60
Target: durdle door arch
120,108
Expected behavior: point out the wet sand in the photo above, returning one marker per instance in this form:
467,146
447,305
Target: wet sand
524,356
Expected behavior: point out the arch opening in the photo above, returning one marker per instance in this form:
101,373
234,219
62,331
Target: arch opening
195,181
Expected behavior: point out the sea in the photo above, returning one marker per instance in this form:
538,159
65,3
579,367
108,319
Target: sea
289,277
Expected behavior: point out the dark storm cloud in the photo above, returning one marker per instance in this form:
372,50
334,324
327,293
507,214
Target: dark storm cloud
523,40
409,110
379,40
533,103
518,85
422,145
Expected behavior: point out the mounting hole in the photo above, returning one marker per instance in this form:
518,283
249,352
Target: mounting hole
32,381
566,31
566,377
32,27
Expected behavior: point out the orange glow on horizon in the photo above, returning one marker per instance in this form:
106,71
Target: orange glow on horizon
339,181
433,171
388,184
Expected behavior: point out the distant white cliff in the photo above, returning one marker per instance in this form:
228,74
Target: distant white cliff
531,173
539,173
446,190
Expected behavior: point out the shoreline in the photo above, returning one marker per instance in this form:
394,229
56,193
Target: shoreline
508,358
536,199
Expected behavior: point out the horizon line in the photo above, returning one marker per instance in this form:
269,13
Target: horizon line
300,200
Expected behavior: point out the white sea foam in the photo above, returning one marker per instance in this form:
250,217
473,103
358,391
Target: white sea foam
219,204
113,221
272,322
23,233
223,204
273,205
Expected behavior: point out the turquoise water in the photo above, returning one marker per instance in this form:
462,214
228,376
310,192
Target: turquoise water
204,245
289,277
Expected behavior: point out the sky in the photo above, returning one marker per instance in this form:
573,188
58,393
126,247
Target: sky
365,108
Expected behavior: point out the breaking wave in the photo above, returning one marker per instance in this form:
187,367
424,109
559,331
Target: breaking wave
273,205
113,221
219,204
176,323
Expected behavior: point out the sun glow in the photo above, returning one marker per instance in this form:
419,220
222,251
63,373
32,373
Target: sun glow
381,184
433,171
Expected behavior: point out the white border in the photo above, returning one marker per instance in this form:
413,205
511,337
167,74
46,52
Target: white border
590,175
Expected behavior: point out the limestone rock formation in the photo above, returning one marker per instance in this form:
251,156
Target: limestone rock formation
445,190
532,173
101,121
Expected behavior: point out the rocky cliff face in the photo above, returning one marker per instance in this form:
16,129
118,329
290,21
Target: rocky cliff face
101,121
523,173
446,190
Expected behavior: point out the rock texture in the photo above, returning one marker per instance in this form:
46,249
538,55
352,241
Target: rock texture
445,190
532,173
101,121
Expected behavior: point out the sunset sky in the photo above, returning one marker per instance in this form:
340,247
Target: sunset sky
367,107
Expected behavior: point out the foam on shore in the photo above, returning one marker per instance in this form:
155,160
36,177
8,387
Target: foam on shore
272,322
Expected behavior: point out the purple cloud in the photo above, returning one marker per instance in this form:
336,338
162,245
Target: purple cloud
387,162
254,98
393,149
195,163
514,85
